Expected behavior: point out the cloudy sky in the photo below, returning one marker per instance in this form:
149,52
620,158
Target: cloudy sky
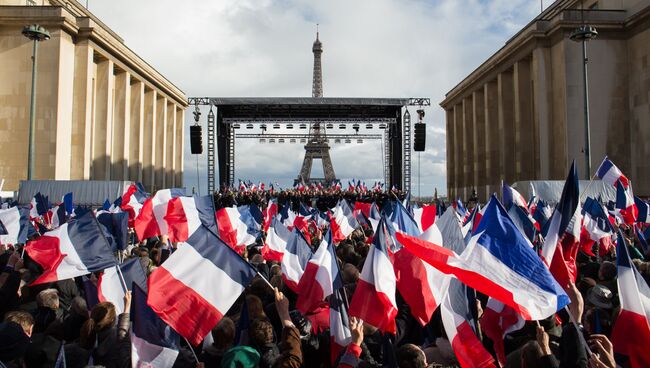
372,48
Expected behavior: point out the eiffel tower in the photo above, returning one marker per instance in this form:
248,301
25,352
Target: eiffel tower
317,146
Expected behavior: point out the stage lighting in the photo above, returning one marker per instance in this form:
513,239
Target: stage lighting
341,126
262,140
271,140
235,126
249,126
368,126
276,126
348,141
359,141
292,140
289,126
329,126
337,141
303,140
303,126
382,126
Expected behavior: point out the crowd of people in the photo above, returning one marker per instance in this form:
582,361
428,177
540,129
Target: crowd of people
39,319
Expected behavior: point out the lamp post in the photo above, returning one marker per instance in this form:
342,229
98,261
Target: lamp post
35,33
583,34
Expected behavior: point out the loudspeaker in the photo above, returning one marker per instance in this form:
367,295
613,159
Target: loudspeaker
420,137
196,140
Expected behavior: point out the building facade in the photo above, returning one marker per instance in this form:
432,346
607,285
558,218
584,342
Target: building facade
102,113
520,115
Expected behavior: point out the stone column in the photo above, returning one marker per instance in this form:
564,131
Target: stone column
64,108
458,149
480,175
134,150
179,147
149,137
451,158
492,141
82,112
170,144
104,84
159,143
468,147
121,125
506,126
542,107
526,160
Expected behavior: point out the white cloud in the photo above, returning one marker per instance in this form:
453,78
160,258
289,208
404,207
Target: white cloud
386,48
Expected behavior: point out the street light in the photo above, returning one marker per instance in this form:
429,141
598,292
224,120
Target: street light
583,34
35,33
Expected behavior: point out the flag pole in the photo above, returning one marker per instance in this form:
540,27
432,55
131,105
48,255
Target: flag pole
192,350
119,273
587,188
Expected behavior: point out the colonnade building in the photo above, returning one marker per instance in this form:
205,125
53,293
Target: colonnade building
520,115
102,113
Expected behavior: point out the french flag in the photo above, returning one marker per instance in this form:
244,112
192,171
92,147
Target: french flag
116,229
16,223
631,331
541,214
340,335
626,208
67,204
524,222
39,206
182,290
57,216
133,200
374,297
563,233
269,213
643,211
424,216
186,214
234,229
460,326
150,221
512,197
343,222
276,241
595,227
153,343
421,285
497,321
74,249
111,288
402,220
499,262
321,277
294,261
609,173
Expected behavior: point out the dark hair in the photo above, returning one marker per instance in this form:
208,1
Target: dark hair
531,354
102,317
24,319
410,356
224,333
260,332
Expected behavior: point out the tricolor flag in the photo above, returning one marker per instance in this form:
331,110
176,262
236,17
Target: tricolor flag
343,222
186,214
643,211
631,331
234,229
402,220
497,321
276,241
595,227
321,277
340,335
182,290
460,326
74,249
512,197
626,209
17,225
39,205
421,285
110,287
133,199
499,262
57,216
425,216
294,261
151,220
67,204
563,234
609,173
116,228
524,222
153,343
269,213
374,297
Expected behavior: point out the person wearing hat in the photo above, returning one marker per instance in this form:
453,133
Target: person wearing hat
13,344
601,297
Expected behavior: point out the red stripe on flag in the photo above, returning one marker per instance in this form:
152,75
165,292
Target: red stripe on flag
468,349
226,232
373,307
413,284
310,292
181,307
630,337
145,224
176,221
46,251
